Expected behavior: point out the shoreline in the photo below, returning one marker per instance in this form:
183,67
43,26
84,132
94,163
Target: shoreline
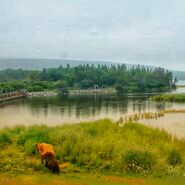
92,91
41,94
72,92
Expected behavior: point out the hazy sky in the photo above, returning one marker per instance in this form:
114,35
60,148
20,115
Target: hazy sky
131,31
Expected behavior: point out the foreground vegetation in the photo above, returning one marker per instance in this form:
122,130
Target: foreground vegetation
135,79
84,179
101,147
170,97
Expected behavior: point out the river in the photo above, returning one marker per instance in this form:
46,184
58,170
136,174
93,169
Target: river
74,109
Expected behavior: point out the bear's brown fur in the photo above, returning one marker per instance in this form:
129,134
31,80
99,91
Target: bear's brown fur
52,164
45,150
47,154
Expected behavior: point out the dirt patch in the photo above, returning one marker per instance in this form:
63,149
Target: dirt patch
133,181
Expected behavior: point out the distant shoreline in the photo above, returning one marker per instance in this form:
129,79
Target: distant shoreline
72,92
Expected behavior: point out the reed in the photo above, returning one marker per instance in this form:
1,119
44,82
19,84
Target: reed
138,117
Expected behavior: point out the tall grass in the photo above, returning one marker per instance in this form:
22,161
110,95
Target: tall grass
5,139
34,134
138,117
104,147
143,116
136,161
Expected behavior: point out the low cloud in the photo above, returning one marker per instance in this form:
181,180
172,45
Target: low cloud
137,31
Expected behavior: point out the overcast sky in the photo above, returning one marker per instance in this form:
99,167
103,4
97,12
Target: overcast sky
148,32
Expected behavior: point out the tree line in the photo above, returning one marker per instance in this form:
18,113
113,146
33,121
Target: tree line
135,79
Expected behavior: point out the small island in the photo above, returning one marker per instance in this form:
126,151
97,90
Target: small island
169,97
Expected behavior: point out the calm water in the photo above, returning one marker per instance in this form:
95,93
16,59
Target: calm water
74,109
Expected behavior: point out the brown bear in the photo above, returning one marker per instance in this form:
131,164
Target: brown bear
45,150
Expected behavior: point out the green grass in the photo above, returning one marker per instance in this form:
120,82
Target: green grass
85,179
170,97
100,147
4,139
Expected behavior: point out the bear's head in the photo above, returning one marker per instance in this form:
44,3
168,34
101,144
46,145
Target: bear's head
37,147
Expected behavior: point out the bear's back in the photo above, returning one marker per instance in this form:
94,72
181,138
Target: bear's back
44,148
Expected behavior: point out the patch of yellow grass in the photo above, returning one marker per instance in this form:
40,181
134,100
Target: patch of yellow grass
64,165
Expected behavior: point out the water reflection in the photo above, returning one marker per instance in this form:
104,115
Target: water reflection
74,109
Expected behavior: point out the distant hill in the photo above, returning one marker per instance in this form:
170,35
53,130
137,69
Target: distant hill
39,64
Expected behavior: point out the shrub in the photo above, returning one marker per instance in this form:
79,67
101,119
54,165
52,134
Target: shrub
174,157
138,161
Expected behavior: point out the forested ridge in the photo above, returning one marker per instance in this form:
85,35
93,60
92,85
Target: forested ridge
135,79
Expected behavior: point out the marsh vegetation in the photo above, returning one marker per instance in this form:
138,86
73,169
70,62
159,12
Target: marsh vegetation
170,97
101,147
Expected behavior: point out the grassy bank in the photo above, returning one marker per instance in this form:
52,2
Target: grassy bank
170,97
100,147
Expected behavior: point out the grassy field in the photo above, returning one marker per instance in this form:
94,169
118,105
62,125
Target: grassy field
170,97
95,153
85,179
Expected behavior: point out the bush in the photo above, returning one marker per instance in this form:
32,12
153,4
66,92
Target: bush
174,158
138,161
121,89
